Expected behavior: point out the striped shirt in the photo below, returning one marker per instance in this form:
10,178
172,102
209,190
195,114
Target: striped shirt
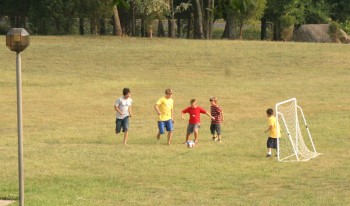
216,113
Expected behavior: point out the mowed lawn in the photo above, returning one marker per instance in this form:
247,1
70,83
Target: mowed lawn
73,157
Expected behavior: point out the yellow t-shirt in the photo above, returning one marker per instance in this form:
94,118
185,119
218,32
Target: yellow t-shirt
273,132
165,108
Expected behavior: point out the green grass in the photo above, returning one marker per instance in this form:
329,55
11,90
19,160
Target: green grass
73,157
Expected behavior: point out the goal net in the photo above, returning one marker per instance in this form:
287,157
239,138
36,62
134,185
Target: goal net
295,140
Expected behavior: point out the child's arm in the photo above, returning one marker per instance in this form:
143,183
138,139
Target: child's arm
269,129
118,110
182,115
130,114
156,107
207,113
222,115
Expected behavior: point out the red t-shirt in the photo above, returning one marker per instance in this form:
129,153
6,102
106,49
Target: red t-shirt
194,114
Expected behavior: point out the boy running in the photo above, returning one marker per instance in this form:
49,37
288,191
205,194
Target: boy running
216,112
123,108
194,122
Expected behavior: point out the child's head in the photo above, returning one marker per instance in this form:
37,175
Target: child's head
193,102
213,100
126,92
269,112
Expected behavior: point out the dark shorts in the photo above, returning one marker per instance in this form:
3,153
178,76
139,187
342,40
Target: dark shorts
271,143
192,127
168,125
122,123
215,128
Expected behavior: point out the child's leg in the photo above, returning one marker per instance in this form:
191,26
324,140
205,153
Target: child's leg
187,137
195,135
126,133
219,138
212,131
170,133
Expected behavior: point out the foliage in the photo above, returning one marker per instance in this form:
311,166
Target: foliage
245,10
52,16
340,10
317,12
334,29
287,26
346,26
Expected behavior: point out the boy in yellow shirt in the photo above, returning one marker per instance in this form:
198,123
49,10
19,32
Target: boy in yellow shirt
165,110
273,132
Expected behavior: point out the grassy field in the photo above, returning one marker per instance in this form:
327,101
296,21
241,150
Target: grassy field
73,157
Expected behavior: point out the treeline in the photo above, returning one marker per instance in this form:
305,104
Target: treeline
170,18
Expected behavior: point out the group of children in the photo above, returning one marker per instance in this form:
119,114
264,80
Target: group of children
164,109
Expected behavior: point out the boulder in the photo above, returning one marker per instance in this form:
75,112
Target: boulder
317,33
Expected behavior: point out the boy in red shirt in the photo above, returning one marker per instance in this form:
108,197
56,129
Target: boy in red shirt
194,122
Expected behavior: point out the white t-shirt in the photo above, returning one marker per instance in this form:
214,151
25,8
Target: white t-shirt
123,105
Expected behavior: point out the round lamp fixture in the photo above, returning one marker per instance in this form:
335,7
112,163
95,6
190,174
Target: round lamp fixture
17,39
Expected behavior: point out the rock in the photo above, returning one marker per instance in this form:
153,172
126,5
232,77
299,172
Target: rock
317,33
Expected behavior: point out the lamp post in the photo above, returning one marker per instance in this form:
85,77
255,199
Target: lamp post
17,39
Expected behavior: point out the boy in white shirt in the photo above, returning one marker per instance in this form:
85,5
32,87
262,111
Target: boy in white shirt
123,108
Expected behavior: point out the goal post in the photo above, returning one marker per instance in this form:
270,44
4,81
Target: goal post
295,140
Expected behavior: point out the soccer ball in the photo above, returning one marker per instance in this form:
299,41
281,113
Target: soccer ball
190,144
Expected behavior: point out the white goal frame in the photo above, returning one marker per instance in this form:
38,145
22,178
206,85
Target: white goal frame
295,155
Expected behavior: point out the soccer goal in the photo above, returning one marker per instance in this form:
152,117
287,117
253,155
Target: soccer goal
295,140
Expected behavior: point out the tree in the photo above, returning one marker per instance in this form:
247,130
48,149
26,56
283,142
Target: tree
245,10
52,17
283,10
16,10
199,19
150,10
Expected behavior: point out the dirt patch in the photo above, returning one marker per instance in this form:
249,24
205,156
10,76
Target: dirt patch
6,202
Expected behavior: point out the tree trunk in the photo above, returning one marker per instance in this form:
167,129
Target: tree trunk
212,16
263,28
200,20
102,26
189,25
81,26
133,19
117,28
241,31
230,27
178,27
143,30
161,32
207,21
172,20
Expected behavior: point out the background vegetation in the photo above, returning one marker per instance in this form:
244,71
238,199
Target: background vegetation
73,157
172,18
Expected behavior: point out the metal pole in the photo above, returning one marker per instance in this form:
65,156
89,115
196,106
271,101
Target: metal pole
20,130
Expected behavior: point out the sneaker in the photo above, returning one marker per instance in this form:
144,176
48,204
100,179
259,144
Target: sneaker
268,155
214,138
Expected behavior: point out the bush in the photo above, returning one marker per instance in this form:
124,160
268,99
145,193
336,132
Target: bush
345,26
334,28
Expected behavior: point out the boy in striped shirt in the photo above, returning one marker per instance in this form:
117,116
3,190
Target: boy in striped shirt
218,115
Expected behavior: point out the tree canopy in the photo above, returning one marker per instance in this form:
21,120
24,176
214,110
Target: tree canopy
193,17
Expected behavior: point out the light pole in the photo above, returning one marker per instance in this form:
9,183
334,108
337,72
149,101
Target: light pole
17,39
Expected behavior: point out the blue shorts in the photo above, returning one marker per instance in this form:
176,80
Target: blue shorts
122,123
167,124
